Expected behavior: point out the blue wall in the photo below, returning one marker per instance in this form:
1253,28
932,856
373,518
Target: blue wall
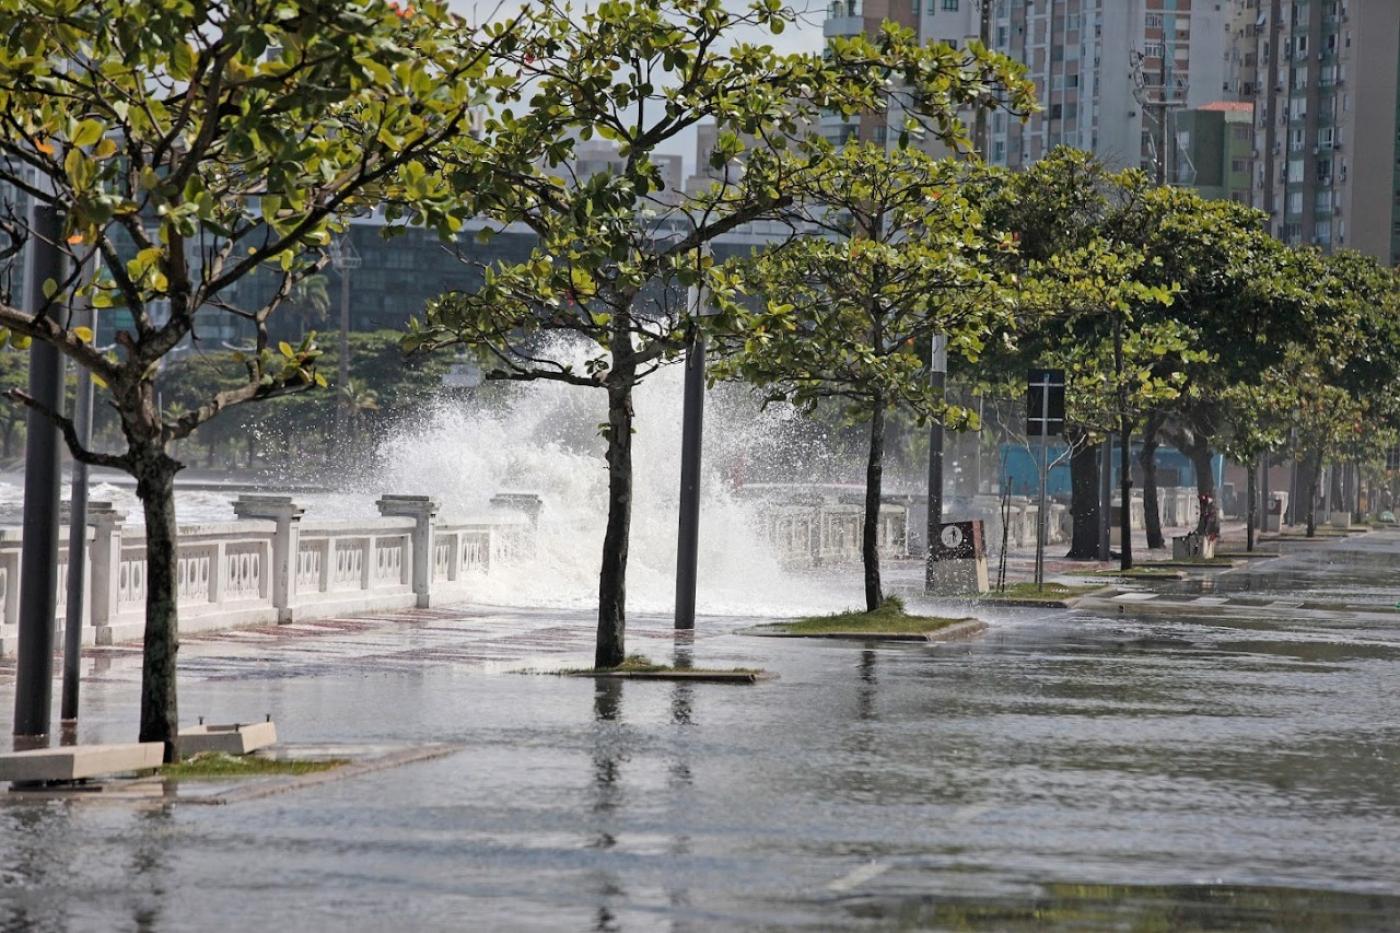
1018,465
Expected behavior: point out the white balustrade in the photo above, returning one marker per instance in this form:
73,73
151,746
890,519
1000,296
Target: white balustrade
271,566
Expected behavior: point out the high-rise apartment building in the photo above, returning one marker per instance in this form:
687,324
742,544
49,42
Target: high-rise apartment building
1102,68
1327,163
1106,70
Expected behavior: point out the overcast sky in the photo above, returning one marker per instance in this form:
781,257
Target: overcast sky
804,36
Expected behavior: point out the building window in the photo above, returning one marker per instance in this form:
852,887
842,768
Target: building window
1295,171
1239,165
1295,202
950,5
1154,20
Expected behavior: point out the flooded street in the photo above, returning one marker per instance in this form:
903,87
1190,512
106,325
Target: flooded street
1096,770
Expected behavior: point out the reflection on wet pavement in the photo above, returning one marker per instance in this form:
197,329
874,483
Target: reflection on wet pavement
1090,771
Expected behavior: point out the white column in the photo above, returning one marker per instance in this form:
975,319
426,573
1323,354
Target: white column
286,543
106,558
421,509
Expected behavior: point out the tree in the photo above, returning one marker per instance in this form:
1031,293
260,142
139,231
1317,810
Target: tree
187,145
309,301
1082,260
890,252
1119,361
1245,296
600,303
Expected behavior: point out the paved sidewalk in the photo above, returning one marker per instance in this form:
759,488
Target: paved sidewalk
402,641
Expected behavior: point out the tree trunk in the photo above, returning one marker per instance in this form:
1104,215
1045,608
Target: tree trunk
870,535
1209,521
155,486
1151,507
1251,510
1084,500
1313,477
612,580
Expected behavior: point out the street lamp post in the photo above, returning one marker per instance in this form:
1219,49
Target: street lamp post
43,480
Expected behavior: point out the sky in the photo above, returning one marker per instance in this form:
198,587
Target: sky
803,36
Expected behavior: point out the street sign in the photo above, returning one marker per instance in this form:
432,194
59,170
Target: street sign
1045,402
960,541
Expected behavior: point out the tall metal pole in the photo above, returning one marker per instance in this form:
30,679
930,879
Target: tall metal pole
1106,498
1040,517
937,378
77,544
43,478
692,434
980,136
1125,478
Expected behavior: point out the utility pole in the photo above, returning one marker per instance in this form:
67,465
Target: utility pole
43,478
937,378
1162,106
343,259
692,437
981,138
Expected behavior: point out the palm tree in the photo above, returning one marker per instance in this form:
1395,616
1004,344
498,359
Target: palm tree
309,301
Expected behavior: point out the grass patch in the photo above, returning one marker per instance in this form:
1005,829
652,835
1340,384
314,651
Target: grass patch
1051,590
640,664
1137,573
889,619
216,765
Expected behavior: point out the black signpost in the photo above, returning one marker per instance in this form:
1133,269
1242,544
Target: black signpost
1045,417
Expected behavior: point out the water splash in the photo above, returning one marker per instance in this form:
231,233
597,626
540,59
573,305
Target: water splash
544,440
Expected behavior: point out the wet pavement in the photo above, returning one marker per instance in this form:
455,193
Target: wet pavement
1090,770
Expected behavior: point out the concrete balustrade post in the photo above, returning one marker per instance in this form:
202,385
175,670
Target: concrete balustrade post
104,581
421,509
286,544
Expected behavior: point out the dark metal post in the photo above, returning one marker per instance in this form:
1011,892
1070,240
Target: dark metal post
1125,479
77,545
1106,498
692,433
38,596
938,377
1041,521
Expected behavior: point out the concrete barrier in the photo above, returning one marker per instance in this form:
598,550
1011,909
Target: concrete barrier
271,566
